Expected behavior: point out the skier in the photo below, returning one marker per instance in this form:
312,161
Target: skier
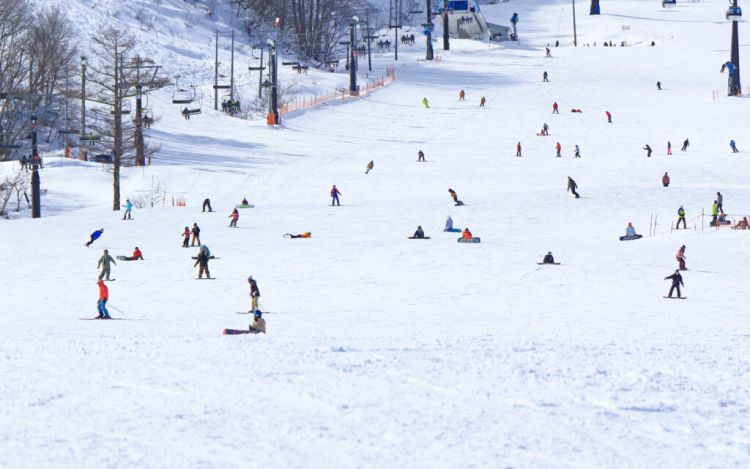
518,149
685,145
455,197
370,165
104,264
648,150
549,54
461,95
306,234
207,204
482,101
665,180
196,235
681,218
258,324
128,209
676,283
714,212
669,147
254,293
733,146
609,116
426,103
572,186
186,237
466,234
557,149
548,259
335,193
203,262
101,305
658,85
681,257
577,152
420,156
94,236
545,76
419,234
234,216
555,109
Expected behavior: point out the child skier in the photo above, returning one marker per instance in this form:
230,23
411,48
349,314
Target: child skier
186,237
235,215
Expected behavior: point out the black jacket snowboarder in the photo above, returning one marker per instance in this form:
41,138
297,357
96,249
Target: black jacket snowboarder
203,263
676,283
685,144
648,150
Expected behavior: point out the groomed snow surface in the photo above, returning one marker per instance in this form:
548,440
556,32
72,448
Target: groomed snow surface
387,352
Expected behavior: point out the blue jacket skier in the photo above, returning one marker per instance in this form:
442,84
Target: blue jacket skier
733,145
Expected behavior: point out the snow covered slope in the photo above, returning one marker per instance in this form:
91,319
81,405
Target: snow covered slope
387,352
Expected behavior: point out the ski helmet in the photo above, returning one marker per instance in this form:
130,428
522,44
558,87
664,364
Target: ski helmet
257,314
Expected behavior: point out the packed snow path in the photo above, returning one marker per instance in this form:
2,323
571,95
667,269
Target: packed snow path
388,352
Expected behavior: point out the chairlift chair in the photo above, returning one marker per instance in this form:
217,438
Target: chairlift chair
183,96
193,108
734,13
668,3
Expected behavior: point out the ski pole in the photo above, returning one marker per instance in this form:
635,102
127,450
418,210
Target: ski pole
117,309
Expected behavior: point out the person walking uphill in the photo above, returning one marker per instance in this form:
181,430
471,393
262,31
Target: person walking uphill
676,283
101,304
94,236
335,193
235,215
104,264
203,263
196,235
254,293
572,186
128,209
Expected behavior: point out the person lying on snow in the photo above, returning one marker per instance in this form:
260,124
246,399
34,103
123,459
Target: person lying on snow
306,234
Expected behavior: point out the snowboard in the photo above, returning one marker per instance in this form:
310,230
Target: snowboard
238,331
453,230
630,238
246,206
208,278
459,203
101,319
675,297
414,237
472,240
195,258
547,263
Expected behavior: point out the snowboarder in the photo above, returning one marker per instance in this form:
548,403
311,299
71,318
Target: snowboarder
572,186
733,146
669,147
186,237
681,257
720,202
426,103
448,224
676,283
335,193
549,54
577,153
137,255
648,150
203,262
205,249
235,215
196,235
455,197
419,234
128,209
306,234
685,145
630,233
658,85
545,129
681,218
101,304
555,109
244,202
545,76
482,101
370,165
104,264
461,95
714,212
466,234
258,324
207,205
254,293
665,179
420,156
518,149
609,117
557,149
94,236
548,259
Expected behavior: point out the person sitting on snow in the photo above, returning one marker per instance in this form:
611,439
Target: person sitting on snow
136,255
419,233
630,231
244,201
258,324
448,224
466,234
548,259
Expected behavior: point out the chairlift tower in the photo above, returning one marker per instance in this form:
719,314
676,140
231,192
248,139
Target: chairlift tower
428,26
272,84
734,14
395,23
446,27
353,59
217,86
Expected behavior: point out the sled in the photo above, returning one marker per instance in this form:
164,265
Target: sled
630,238
238,332
423,237
453,230
547,263
472,240
675,297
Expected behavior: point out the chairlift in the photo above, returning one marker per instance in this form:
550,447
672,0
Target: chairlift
183,96
193,108
668,3
734,13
